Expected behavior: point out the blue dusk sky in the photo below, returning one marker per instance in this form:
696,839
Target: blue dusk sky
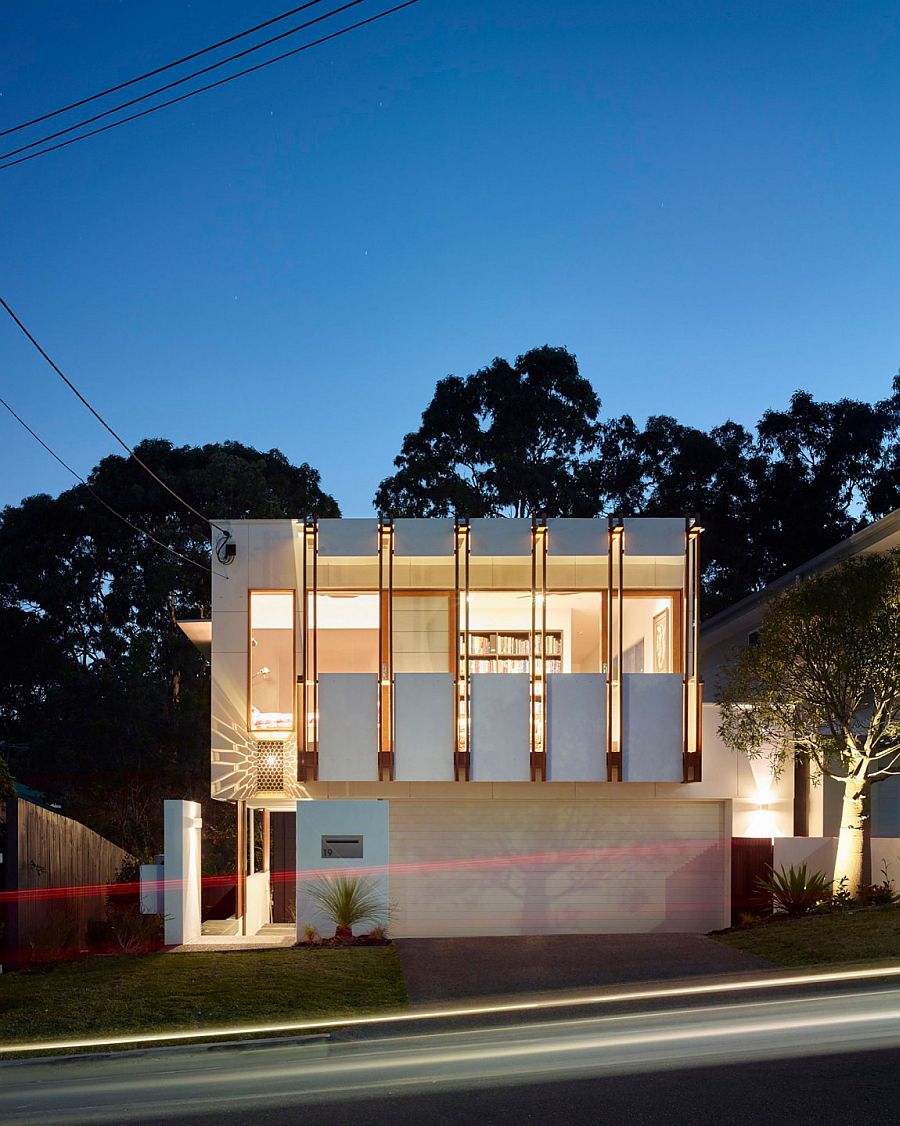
700,200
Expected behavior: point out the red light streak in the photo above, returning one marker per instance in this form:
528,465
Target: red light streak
609,855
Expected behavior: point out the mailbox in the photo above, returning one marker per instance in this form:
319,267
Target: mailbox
342,848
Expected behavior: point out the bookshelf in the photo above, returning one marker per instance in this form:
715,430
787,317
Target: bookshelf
509,651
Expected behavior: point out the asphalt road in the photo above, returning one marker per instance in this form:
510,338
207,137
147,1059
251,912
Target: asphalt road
776,1060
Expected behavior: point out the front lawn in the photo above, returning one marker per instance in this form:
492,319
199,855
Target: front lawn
112,996
871,934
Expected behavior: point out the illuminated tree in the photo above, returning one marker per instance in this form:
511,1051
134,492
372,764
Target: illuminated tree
823,685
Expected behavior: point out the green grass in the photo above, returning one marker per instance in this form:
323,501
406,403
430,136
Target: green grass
821,940
127,994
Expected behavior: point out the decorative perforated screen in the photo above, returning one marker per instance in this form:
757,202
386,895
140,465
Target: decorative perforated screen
270,765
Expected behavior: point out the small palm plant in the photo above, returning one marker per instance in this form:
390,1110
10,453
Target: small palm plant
347,901
796,891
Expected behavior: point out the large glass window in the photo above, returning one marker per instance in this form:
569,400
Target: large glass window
272,674
346,632
575,630
651,632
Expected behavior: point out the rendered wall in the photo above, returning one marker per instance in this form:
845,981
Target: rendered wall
267,557
182,825
818,854
315,819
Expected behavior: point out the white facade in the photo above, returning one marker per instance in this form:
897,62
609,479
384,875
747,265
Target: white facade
503,718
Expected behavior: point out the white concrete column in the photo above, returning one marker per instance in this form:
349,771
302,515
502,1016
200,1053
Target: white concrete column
181,900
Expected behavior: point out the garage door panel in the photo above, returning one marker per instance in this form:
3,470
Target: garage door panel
521,867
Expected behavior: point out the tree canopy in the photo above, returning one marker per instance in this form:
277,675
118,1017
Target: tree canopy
107,695
505,441
823,685
527,438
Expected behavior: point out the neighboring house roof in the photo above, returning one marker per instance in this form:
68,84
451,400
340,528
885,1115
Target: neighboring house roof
881,535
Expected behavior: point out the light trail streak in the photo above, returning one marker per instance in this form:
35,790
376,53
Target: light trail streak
529,861
426,1015
139,1087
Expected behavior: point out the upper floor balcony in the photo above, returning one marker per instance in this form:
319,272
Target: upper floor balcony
497,650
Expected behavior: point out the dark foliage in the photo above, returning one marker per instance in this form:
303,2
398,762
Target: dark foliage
525,438
106,698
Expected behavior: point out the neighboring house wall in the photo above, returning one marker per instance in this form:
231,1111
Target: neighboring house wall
726,633
56,869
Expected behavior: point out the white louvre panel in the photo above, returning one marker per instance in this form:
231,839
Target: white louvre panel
423,727
652,536
348,727
500,715
545,866
423,537
348,537
576,727
500,537
577,537
652,727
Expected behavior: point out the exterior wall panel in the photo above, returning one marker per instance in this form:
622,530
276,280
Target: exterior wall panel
652,727
500,716
576,727
423,727
348,726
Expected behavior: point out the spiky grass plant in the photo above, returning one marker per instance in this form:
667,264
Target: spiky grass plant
795,891
348,901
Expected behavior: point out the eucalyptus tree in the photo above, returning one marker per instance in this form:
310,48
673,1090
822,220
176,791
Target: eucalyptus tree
823,685
507,440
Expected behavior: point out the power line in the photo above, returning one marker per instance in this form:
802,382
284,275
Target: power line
68,382
140,531
209,86
160,69
180,81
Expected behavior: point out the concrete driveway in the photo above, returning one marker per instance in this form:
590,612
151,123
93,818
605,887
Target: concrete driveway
446,969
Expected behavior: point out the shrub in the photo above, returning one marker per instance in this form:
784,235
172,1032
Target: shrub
56,936
311,935
796,891
879,895
133,932
348,900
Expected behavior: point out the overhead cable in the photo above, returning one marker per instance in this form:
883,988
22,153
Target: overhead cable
134,527
68,382
159,69
209,86
180,81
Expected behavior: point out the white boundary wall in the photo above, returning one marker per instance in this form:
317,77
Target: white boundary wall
181,898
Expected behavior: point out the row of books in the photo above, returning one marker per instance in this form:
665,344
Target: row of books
508,664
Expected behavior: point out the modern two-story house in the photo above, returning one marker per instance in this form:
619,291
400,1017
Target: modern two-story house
499,721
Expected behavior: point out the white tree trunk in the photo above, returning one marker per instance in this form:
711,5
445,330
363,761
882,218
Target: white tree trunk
848,863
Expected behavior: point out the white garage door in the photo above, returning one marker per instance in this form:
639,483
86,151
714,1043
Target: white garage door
551,867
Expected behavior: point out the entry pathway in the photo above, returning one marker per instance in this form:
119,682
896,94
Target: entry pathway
447,969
